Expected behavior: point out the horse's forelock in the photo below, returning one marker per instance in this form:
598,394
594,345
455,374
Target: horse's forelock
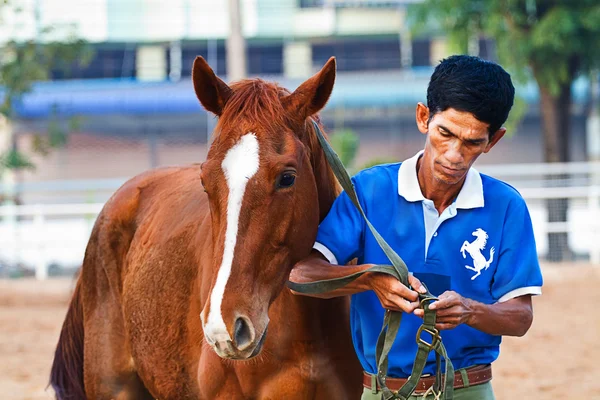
254,102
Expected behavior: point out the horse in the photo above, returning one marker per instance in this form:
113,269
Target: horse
474,249
185,269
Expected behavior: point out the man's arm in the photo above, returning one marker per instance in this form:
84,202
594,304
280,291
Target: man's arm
510,318
392,294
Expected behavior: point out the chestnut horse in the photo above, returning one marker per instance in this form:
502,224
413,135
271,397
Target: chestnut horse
179,284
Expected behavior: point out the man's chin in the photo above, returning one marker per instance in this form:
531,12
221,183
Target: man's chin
448,180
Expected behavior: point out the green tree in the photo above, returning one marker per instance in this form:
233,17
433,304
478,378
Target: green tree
551,41
345,143
21,64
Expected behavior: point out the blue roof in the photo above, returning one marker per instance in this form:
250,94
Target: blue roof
130,97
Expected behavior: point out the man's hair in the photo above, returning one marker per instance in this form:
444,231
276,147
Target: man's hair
473,85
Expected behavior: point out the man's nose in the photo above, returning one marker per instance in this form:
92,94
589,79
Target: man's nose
454,153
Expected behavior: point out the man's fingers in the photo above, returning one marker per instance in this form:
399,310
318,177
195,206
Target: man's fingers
443,326
454,320
397,303
416,284
449,312
400,290
443,302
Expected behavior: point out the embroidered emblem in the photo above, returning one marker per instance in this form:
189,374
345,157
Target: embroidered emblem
474,250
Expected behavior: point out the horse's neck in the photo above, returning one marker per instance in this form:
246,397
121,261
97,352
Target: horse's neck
327,189
479,243
327,186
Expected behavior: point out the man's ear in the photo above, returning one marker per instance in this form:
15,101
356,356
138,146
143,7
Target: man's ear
312,95
212,92
422,117
495,139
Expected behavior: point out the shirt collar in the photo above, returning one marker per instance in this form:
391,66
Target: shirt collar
470,196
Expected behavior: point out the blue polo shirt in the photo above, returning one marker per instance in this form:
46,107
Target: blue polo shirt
482,247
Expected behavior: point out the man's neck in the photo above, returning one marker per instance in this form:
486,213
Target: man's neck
442,194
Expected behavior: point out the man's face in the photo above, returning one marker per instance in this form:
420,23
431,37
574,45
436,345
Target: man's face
454,141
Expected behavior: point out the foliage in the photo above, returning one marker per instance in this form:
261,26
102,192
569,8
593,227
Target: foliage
13,159
555,40
517,113
345,143
378,161
22,64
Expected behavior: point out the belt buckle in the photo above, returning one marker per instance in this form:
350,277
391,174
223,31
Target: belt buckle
435,337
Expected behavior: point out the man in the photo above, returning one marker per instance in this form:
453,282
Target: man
467,236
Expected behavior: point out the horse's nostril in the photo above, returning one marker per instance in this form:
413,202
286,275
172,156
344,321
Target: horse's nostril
242,334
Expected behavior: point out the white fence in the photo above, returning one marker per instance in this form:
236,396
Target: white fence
577,182
40,235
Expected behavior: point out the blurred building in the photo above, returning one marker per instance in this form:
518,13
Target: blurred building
137,108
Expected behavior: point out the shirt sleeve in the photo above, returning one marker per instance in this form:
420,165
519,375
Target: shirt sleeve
518,272
340,234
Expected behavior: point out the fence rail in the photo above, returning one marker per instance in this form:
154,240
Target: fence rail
39,235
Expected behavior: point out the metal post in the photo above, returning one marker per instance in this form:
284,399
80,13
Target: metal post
175,61
213,60
153,149
236,45
593,154
594,213
593,121
41,267
8,180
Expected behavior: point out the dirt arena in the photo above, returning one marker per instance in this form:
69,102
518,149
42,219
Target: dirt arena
557,359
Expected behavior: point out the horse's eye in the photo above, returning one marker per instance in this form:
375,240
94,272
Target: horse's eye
286,180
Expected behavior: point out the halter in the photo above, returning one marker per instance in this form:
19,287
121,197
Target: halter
391,322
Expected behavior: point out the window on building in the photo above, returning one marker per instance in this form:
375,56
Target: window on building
311,3
217,59
265,59
421,52
487,49
359,55
116,61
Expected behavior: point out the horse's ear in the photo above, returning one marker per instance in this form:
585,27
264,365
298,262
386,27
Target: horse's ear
212,92
311,96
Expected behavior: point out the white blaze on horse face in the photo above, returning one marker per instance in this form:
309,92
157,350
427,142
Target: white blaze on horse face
239,165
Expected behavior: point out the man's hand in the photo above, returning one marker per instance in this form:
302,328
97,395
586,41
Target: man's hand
393,295
452,310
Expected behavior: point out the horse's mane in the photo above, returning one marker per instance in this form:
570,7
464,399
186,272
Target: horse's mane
482,237
260,101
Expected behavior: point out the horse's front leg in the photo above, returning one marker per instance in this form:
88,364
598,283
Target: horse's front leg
476,275
463,248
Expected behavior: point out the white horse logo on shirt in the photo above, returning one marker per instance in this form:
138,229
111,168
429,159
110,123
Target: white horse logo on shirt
474,249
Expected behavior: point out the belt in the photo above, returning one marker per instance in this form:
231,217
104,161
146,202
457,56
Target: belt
462,378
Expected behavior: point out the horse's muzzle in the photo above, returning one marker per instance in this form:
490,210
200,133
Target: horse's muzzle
227,349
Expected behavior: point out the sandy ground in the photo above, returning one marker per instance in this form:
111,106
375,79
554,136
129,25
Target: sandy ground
557,359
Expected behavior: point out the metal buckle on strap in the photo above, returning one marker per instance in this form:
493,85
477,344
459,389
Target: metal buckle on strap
431,391
430,299
435,337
